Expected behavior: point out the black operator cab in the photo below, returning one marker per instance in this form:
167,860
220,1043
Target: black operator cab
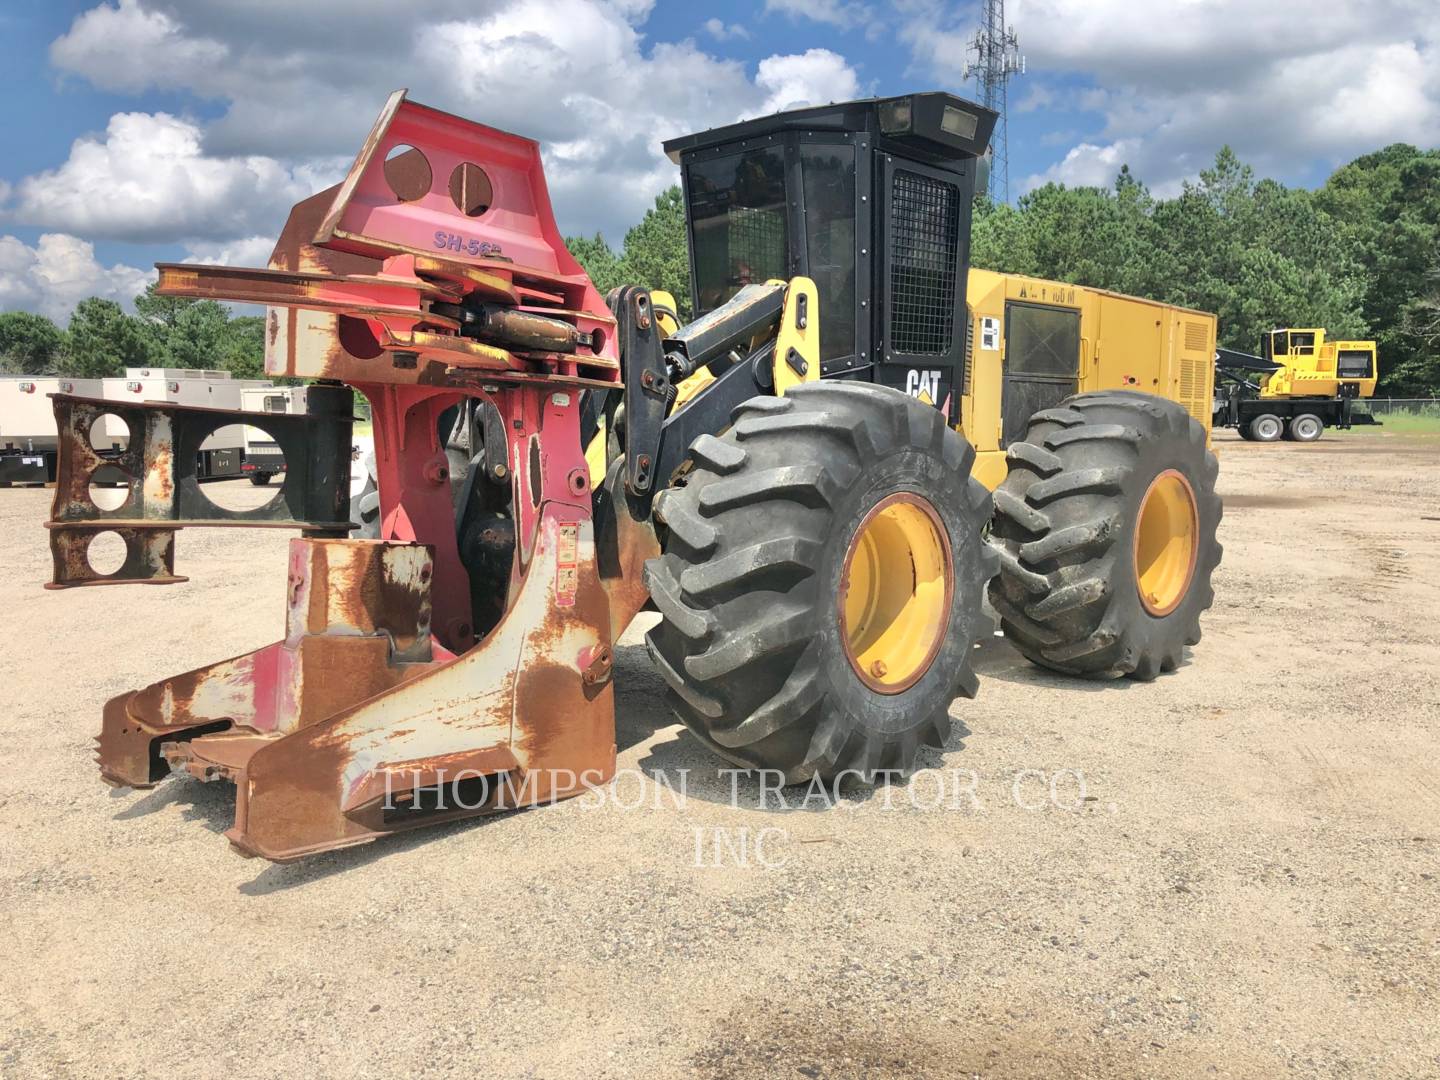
870,199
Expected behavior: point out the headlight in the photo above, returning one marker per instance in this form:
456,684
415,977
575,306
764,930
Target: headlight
957,122
895,116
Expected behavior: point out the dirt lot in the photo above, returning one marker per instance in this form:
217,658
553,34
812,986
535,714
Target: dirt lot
1235,873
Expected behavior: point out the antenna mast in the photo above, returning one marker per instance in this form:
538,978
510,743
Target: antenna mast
997,57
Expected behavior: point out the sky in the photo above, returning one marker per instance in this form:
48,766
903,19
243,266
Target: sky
139,131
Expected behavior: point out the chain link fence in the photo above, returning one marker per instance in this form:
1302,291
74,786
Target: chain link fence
1378,406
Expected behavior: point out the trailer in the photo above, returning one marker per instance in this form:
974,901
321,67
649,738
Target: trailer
222,453
28,440
261,458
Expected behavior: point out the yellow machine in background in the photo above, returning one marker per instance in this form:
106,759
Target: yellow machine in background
1310,366
1299,385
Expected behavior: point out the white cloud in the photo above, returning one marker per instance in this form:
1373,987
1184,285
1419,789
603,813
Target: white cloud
839,13
105,42
1182,44
723,31
815,77
301,82
1395,96
60,271
1086,165
298,85
574,76
1288,83
251,251
1037,96
938,39
1281,121
148,179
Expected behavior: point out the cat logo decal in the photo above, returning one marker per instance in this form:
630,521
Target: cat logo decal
923,384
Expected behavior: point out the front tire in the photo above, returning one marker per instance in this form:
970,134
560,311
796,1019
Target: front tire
821,582
1106,528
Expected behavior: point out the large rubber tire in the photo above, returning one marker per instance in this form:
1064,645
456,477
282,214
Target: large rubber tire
1244,431
1267,427
1307,427
1066,518
260,479
750,580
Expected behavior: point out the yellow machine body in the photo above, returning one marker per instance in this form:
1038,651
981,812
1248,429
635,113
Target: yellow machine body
1032,336
1312,367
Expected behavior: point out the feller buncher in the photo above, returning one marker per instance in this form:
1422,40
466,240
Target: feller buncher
798,480
1299,385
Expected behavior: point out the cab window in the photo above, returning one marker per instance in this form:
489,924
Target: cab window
829,180
737,213
1354,364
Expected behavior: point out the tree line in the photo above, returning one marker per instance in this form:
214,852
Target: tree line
1359,256
103,339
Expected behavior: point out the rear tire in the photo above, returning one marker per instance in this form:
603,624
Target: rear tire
260,479
1267,427
1307,427
1245,433
756,637
1073,555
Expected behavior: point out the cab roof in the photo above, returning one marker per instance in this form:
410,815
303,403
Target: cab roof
941,124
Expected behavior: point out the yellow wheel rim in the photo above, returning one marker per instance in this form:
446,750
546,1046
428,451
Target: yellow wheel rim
1166,542
895,593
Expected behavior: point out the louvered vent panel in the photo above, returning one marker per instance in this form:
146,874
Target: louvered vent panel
1195,388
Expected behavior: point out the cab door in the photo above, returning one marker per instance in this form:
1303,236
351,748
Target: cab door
923,271
1042,363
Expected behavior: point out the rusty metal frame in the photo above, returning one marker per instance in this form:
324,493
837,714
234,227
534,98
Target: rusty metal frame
330,734
381,704
159,464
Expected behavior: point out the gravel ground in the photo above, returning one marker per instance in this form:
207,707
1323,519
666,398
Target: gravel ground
1231,871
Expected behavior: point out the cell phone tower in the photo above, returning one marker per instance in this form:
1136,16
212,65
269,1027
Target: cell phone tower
997,57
